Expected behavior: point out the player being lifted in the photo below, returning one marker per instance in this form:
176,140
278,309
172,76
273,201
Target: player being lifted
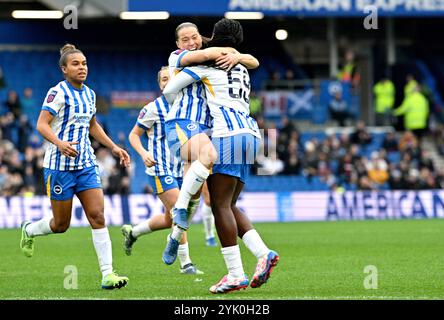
188,127
66,121
236,137
164,172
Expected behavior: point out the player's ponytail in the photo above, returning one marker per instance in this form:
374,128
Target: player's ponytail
65,51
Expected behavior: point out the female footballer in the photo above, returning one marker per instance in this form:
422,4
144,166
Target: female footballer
164,172
66,120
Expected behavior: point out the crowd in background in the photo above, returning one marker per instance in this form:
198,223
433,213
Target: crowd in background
340,161
343,161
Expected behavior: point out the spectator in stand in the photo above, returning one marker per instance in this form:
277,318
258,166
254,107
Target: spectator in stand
7,125
292,164
13,104
287,127
289,75
361,136
106,164
323,169
29,105
338,108
395,179
310,160
377,170
4,177
349,71
425,161
365,184
344,143
390,143
413,181
409,144
24,130
345,169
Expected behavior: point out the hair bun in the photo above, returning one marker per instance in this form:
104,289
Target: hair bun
67,47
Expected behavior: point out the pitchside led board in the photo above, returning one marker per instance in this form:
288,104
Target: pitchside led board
320,8
259,206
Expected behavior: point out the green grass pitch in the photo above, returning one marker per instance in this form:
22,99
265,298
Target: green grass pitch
319,260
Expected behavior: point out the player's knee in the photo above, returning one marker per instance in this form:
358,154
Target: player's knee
208,155
212,154
167,221
60,227
221,209
97,218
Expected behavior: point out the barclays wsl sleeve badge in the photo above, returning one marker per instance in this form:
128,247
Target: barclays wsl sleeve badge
142,113
51,96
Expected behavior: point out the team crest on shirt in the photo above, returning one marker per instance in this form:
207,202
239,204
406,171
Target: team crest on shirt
51,96
142,113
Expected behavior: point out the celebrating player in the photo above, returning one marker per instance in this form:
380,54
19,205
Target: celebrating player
188,126
236,137
66,121
163,169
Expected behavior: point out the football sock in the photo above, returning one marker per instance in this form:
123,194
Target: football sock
192,208
102,244
208,221
141,229
192,182
254,243
177,233
184,254
233,261
39,228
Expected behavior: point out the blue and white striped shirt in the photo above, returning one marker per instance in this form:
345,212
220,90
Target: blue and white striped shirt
152,119
227,95
73,110
191,102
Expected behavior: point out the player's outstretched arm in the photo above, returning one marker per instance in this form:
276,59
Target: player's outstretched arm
136,143
96,131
